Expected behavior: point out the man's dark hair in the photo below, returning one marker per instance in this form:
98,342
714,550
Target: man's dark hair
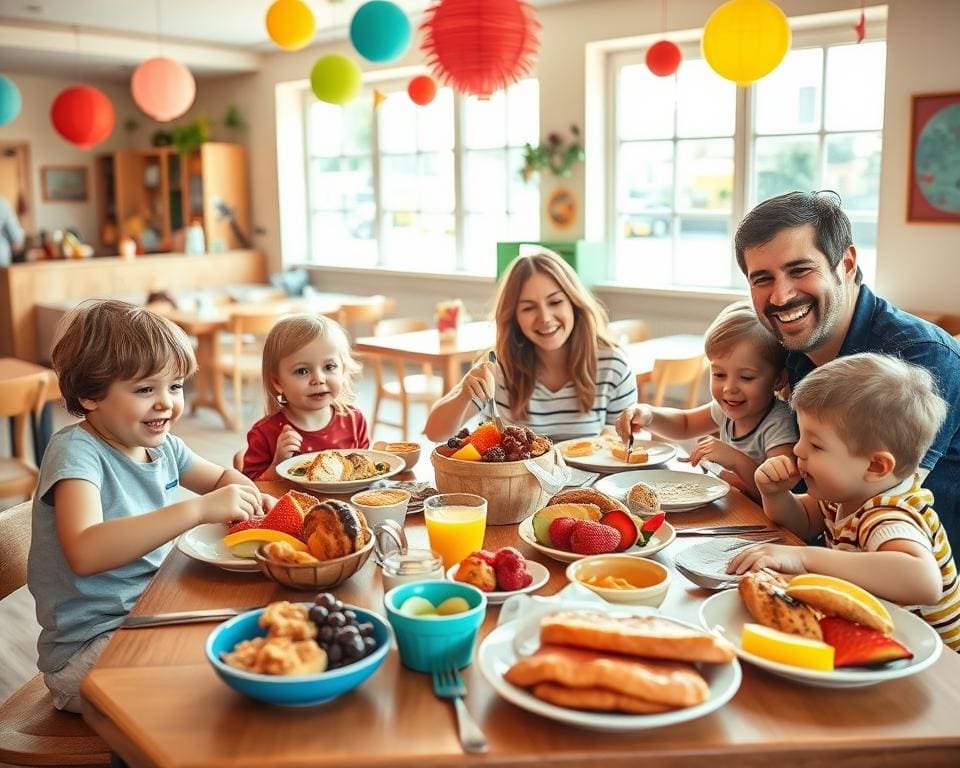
795,209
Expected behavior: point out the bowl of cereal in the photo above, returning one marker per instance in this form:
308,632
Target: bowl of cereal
278,654
622,578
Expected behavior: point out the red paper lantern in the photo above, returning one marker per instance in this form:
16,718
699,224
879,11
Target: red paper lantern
422,89
82,115
480,46
663,58
163,88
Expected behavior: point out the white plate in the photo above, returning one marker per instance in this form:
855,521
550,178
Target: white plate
602,460
663,536
709,488
205,543
540,577
395,462
725,612
496,655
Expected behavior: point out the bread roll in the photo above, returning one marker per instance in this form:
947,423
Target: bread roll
334,528
763,593
587,496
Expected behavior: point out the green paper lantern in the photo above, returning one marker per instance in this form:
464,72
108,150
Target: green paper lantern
336,79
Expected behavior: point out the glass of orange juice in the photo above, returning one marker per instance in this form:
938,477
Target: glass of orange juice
456,523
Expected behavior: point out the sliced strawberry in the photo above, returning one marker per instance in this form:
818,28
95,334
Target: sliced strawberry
243,525
284,517
858,646
650,526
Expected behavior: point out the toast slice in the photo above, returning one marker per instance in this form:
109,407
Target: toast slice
637,455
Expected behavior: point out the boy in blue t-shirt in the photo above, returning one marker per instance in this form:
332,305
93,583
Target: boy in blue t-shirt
105,507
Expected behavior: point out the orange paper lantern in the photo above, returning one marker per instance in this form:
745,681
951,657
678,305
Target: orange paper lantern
82,115
422,90
163,88
480,46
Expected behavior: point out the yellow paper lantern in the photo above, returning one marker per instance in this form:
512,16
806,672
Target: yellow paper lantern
744,40
290,24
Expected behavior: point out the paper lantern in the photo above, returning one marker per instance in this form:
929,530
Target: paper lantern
82,115
10,101
744,40
163,88
335,78
290,24
480,46
422,89
663,58
380,31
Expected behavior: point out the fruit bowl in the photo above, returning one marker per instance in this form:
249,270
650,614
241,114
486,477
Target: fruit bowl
321,575
298,690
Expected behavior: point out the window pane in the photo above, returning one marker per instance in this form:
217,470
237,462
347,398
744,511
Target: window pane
645,176
788,99
419,242
783,164
855,84
485,124
705,175
522,196
357,126
326,185
645,261
853,169
397,122
523,113
324,129
332,242
481,234
706,102
703,252
435,121
645,104
435,181
485,174
400,183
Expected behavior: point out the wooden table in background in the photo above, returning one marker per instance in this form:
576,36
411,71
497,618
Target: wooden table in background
643,354
154,698
12,368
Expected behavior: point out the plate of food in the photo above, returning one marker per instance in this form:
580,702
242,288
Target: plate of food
538,573
339,471
606,454
677,491
784,631
666,672
205,543
662,537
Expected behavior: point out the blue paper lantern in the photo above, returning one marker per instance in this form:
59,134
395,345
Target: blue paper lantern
380,31
10,101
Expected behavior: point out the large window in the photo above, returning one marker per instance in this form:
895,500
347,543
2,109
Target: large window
691,157
421,188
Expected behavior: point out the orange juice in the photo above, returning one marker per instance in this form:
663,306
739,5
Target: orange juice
455,530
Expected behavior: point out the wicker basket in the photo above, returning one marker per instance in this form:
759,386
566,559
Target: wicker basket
323,575
512,493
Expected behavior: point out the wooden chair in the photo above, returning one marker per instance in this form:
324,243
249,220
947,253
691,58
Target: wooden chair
629,331
668,373
242,359
360,319
405,388
19,398
32,730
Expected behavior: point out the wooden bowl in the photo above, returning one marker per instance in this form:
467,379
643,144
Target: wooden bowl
512,493
315,576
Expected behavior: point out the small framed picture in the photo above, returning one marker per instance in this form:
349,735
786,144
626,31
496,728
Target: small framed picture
64,183
934,195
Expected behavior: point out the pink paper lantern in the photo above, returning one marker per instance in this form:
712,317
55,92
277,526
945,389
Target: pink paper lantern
82,115
163,88
663,58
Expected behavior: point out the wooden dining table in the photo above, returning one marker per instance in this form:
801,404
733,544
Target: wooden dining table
42,427
156,701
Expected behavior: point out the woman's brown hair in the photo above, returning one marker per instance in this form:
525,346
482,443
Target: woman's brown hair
518,355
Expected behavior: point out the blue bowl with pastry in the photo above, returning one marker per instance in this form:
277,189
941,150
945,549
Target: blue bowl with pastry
269,655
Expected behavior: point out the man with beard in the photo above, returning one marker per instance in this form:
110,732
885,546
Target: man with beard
797,253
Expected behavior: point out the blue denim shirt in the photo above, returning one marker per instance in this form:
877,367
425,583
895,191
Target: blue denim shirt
878,326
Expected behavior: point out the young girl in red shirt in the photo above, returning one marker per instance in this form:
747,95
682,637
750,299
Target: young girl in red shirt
308,375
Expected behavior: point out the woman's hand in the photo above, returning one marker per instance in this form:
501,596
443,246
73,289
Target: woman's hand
479,382
777,474
777,557
633,419
288,444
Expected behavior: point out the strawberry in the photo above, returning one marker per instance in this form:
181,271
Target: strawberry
507,553
512,574
243,525
590,538
858,646
484,554
484,437
650,526
284,517
559,532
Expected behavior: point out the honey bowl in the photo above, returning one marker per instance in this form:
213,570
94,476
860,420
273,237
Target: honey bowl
408,452
622,578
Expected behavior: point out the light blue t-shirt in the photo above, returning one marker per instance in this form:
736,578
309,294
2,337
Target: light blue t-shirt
73,609
778,427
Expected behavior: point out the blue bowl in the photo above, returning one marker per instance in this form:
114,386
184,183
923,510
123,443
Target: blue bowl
293,690
431,643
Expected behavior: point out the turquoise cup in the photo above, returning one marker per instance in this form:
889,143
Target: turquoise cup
432,643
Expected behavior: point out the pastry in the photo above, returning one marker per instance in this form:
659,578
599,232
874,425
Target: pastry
764,595
643,499
596,699
334,528
579,448
587,496
637,455
329,467
362,466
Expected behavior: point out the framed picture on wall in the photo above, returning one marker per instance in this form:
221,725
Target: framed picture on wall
934,193
64,183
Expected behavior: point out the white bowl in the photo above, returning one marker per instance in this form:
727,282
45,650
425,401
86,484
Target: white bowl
651,578
377,513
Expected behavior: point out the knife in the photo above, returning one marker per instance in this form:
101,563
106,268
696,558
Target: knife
629,445
726,530
182,617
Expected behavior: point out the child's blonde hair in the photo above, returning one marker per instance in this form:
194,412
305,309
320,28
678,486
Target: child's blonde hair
738,322
875,402
104,341
517,354
295,332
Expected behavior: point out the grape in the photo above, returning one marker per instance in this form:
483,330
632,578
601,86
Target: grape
369,645
524,455
326,600
463,433
365,628
336,619
354,647
454,443
345,634
325,634
318,614
350,616
334,655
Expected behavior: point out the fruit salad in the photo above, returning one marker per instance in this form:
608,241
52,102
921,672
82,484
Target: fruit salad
486,443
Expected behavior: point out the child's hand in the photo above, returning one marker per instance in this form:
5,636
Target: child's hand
635,418
479,381
715,450
777,557
288,444
776,475
230,504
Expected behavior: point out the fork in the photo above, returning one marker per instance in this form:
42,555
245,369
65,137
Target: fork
494,414
707,582
447,684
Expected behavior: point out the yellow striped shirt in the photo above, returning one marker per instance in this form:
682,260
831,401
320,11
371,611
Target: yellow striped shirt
903,512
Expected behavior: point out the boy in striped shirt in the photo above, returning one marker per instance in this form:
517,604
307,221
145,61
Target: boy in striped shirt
865,422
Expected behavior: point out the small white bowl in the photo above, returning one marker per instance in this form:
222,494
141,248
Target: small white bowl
409,452
651,578
377,513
